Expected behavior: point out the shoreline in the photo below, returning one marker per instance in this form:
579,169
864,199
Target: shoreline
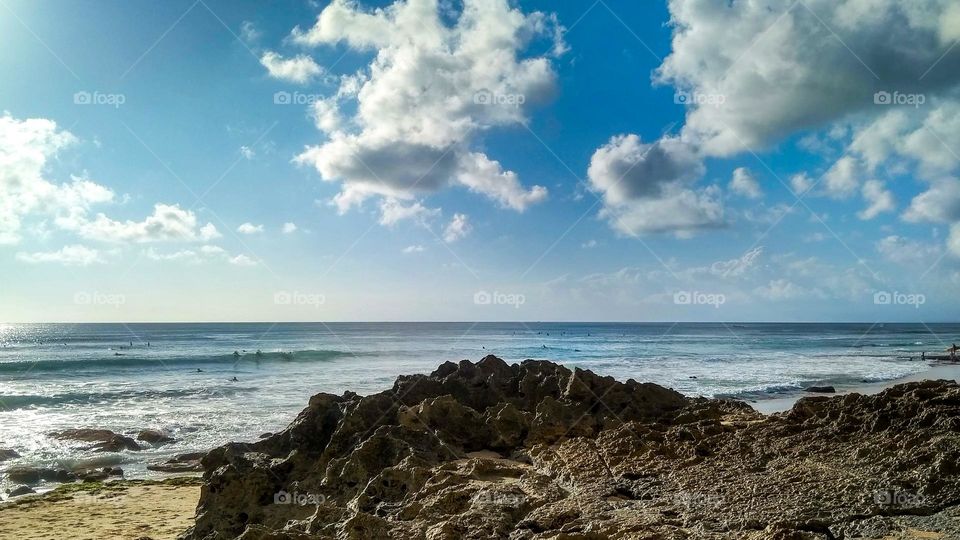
937,371
165,509
159,510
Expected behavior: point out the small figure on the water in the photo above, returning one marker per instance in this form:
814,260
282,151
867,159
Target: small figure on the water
148,344
131,344
234,380
259,352
199,370
236,354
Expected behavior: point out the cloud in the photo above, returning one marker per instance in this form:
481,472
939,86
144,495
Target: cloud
743,183
300,70
167,223
247,152
644,187
781,67
26,148
939,204
953,240
393,211
905,251
458,228
289,228
842,179
73,255
589,244
249,228
406,125
801,183
779,290
414,249
242,260
879,199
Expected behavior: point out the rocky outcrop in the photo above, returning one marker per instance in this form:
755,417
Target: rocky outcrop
106,440
6,454
536,450
181,463
154,437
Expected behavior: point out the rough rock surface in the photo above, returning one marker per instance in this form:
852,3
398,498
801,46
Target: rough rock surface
7,454
154,437
536,451
107,441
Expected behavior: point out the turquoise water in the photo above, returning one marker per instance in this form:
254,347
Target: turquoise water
106,376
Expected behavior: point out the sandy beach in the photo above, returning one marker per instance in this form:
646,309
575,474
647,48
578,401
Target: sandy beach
94,511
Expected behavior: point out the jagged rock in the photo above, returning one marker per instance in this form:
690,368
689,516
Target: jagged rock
535,451
154,437
107,441
20,490
35,475
7,454
820,389
181,463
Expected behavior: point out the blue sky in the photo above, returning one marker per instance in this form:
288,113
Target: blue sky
733,164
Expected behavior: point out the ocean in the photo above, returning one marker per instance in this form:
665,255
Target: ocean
180,377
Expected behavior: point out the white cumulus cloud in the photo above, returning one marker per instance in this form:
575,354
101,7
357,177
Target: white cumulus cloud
406,124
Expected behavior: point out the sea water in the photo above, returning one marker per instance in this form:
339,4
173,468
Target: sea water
179,378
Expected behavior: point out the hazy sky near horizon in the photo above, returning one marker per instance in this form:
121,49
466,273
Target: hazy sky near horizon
689,160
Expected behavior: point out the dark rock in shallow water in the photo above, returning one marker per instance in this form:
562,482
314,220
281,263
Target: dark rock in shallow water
821,389
35,475
107,441
154,437
20,490
180,463
7,454
537,451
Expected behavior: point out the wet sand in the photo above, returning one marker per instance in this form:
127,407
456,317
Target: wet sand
118,510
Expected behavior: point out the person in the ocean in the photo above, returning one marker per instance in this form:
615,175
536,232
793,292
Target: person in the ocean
199,370
236,354
259,352
234,380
